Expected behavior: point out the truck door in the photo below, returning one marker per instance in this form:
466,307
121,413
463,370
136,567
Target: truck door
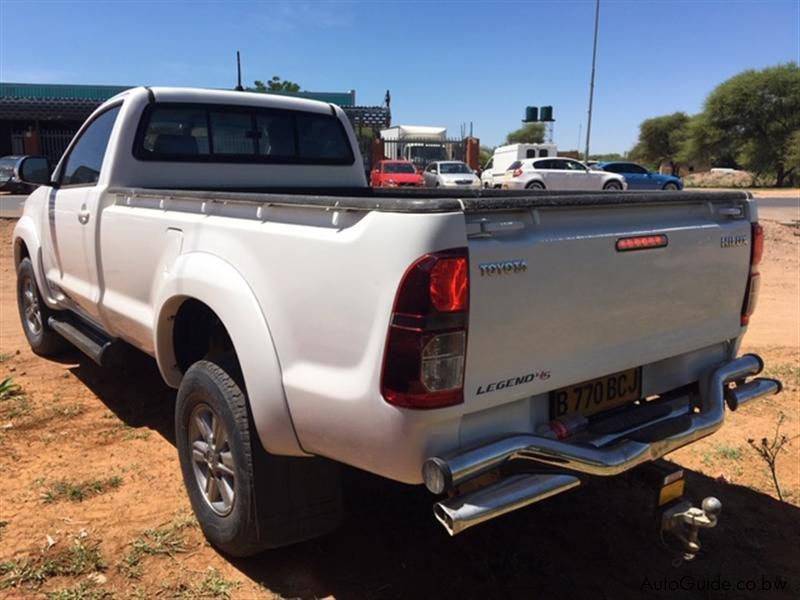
72,264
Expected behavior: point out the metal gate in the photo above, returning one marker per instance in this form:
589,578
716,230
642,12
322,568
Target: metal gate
54,142
422,151
17,142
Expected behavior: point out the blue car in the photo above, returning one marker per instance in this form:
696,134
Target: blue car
639,178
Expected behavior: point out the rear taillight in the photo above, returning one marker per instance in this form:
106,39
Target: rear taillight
516,173
754,279
423,365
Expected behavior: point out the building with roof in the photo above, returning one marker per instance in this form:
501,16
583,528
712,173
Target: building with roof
40,118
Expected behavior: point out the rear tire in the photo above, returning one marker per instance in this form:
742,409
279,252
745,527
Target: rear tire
613,186
535,185
245,499
34,313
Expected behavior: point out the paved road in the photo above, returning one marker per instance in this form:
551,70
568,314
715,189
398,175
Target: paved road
11,206
776,208
779,209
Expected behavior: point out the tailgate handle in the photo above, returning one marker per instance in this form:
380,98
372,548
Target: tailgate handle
730,211
488,227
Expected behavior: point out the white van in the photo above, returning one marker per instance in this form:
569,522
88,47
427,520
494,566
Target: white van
493,171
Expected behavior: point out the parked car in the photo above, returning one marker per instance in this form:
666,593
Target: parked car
395,173
639,178
450,174
499,350
503,156
9,176
559,174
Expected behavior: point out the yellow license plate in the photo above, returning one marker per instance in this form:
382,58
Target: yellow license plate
597,395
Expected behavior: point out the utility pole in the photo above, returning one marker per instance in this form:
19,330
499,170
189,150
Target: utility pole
591,84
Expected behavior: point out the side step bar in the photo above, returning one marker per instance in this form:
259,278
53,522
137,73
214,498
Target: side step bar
85,338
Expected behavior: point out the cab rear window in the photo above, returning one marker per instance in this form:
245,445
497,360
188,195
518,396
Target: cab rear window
234,134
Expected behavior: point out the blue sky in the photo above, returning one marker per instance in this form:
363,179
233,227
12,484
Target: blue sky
446,63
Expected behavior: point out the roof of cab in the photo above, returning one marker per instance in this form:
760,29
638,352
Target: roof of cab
229,97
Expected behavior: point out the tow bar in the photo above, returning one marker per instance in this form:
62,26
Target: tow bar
684,522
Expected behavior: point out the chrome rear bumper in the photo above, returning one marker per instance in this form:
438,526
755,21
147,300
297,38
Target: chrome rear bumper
444,474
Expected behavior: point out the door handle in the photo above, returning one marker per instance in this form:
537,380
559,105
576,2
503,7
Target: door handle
83,216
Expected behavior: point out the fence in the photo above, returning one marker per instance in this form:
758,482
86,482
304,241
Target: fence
54,142
422,151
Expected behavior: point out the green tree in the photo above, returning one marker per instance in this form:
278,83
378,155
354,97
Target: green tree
276,84
530,133
750,119
608,156
793,155
662,139
485,154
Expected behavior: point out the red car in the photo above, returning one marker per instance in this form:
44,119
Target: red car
396,173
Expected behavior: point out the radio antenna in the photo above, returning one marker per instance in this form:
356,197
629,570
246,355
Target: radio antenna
239,87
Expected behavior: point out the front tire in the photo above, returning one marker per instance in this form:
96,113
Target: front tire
612,186
670,187
245,499
34,313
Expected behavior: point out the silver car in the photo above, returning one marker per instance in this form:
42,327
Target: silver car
450,174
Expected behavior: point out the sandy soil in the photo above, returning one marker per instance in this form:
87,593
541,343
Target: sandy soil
79,423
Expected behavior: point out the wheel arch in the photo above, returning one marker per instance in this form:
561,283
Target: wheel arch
26,244
536,179
200,286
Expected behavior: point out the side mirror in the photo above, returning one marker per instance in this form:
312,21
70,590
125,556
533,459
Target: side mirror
34,170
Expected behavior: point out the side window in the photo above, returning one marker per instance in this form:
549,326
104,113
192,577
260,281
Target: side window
632,168
572,165
557,164
489,164
431,168
543,164
543,152
321,137
530,153
613,168
86,157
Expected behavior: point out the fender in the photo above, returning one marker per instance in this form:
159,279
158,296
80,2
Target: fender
25,231
217,284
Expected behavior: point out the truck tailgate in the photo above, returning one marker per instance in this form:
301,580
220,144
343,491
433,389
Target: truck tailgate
553,302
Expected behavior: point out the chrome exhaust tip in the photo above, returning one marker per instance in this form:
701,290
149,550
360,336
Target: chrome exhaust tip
462,512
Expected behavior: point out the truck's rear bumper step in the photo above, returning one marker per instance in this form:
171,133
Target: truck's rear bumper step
85,338
441,474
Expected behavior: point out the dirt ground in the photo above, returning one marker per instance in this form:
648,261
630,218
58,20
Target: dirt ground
93,503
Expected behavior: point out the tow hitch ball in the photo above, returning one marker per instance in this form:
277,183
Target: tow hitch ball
685,521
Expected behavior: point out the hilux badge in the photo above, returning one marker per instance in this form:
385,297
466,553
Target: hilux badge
732,241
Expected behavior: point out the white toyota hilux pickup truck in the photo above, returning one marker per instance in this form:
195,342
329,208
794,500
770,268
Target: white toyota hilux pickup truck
498,347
